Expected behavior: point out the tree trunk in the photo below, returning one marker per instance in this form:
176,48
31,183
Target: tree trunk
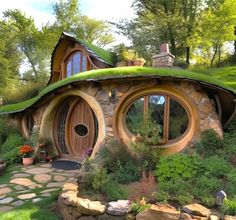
219,55
214,55
187,55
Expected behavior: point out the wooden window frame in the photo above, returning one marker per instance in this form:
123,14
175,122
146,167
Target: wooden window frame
166,121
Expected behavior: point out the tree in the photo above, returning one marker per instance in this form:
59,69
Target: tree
216,27
164,21
70,19
30,43
10,58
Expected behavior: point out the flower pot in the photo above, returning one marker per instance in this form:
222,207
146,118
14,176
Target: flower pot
28,161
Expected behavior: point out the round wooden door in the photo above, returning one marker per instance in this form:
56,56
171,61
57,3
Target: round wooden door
75,128
80,128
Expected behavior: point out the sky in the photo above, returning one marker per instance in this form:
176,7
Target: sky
41,10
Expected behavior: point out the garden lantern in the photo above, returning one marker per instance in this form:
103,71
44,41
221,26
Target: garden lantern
220,196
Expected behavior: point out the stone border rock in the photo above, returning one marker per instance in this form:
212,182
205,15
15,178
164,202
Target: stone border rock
72,207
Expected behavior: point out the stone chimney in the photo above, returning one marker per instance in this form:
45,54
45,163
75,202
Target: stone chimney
164,58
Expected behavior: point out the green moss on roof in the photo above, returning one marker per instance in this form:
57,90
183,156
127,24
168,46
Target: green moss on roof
224,74
103,54
116,73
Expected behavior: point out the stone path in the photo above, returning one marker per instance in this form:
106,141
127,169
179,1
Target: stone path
33,183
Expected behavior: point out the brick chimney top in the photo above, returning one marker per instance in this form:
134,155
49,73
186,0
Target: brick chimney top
164,58
164,48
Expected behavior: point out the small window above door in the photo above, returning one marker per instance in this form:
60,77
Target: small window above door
76,63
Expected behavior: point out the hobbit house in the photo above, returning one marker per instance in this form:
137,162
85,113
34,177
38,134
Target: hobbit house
89,101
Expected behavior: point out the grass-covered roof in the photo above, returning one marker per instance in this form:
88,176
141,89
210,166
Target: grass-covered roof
118,73
104,55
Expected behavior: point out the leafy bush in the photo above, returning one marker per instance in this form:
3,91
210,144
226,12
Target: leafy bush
114,191
208,185
178,167
179,191
12,156
13,140
229,207
210,143
120,163
126,173
96,179
215,166
136,207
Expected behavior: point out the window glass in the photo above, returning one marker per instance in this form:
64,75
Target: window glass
76,63
84,63
178,121
134,116
68,69
156,108
157,117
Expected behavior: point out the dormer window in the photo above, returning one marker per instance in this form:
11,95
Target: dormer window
76,63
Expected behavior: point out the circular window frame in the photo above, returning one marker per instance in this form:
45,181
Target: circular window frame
119,124
82,136
166,96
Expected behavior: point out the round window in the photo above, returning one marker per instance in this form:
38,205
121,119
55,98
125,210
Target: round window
157,118
81,130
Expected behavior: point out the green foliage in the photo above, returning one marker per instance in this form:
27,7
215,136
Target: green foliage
114,191
127,173
229,206
210,143
178,167
12,156
120,163
215,166
115,72
136,207
179,191
96,179
206,185
10,148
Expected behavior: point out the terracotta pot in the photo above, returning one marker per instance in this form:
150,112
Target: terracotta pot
28,161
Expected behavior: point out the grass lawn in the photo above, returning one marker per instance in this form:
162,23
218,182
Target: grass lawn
44,209
224,74
34,211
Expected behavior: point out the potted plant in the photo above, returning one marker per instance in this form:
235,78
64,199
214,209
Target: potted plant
26,152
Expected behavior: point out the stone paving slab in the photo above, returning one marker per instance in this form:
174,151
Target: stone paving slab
5,190
23,181
17,203
39,170
6,200
27,196
6,208
42,178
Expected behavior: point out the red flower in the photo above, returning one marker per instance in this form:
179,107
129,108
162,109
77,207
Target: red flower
26,150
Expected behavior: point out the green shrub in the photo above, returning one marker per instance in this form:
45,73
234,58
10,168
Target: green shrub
96,179
216,166
178,167
204,185
229,207
114,191
127,173
120,163
12,156
13,140
210,143
231,176
208,200
136,207
115,151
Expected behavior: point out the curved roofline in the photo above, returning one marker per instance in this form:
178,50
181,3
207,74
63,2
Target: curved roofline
121,73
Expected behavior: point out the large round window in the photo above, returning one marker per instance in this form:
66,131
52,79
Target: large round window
157,117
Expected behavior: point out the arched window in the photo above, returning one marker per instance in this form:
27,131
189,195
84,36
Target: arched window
159,114
76,63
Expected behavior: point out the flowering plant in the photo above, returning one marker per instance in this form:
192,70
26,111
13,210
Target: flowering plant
26,150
